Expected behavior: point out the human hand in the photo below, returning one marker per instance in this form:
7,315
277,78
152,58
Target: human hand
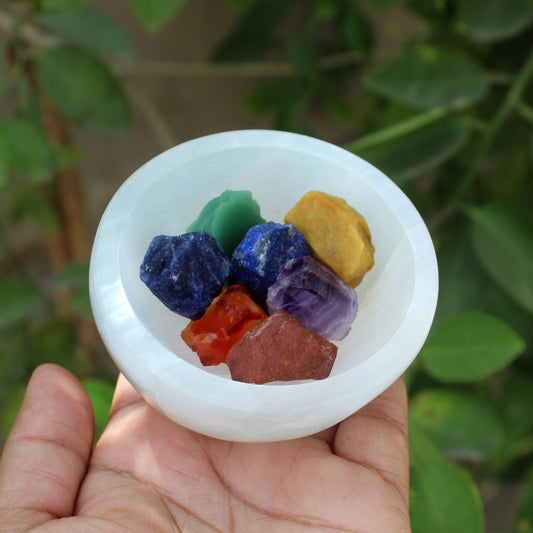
147,473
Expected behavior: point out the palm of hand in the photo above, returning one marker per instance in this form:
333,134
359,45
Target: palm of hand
147,474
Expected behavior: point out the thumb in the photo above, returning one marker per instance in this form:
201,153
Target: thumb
45,457
376,436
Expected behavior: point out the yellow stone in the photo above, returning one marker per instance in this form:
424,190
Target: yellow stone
337,234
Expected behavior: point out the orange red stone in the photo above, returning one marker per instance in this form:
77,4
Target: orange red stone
227,319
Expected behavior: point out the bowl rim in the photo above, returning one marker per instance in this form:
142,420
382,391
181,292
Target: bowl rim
122,331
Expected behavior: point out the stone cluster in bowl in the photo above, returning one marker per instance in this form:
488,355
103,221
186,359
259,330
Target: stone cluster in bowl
301,272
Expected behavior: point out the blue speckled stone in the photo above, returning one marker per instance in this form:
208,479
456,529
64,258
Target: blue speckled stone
258,257
185,272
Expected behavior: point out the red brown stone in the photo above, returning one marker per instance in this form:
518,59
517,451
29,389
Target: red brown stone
280,349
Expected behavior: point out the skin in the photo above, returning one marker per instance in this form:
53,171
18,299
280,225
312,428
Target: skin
147,473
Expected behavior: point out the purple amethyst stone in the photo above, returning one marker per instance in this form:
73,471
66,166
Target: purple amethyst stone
256,261
185,272
315,296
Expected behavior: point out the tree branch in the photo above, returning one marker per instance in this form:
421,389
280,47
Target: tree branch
512,100
28,32
152,115
268,69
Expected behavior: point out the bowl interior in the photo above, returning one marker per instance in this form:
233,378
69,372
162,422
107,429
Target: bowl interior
397,298
278,177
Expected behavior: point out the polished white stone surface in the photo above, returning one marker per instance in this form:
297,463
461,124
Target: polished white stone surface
397,298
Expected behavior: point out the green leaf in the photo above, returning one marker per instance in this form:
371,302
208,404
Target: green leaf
499,304
380,4
19,300
153,15
3,66
80,301
435,492
434,11
514,400
502,241
54,342
26,149
444,499
410,151
509,177
339,108
74,275
422,449
83,88
240,4
101,394
276,95
89,28
494,20
428,77
254,32
524,516
67,156
13,361
462,427
324,10
469,347
462,281
10,406
302,58
4,162
28,203
356,30
56,5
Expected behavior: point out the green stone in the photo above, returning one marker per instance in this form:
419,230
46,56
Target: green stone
228,217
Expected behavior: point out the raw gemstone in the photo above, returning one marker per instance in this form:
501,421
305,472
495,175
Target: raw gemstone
337,234
314,295
227,319
185,272
280,349
258,257
228,217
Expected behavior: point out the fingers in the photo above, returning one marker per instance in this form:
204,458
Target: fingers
376,436
45,457
327,435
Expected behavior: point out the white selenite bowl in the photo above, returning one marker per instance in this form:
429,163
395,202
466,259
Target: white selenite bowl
397,298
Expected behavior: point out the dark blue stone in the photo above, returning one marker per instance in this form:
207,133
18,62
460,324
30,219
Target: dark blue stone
185,272
258,257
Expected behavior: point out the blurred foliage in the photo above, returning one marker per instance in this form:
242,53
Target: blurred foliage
447,114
